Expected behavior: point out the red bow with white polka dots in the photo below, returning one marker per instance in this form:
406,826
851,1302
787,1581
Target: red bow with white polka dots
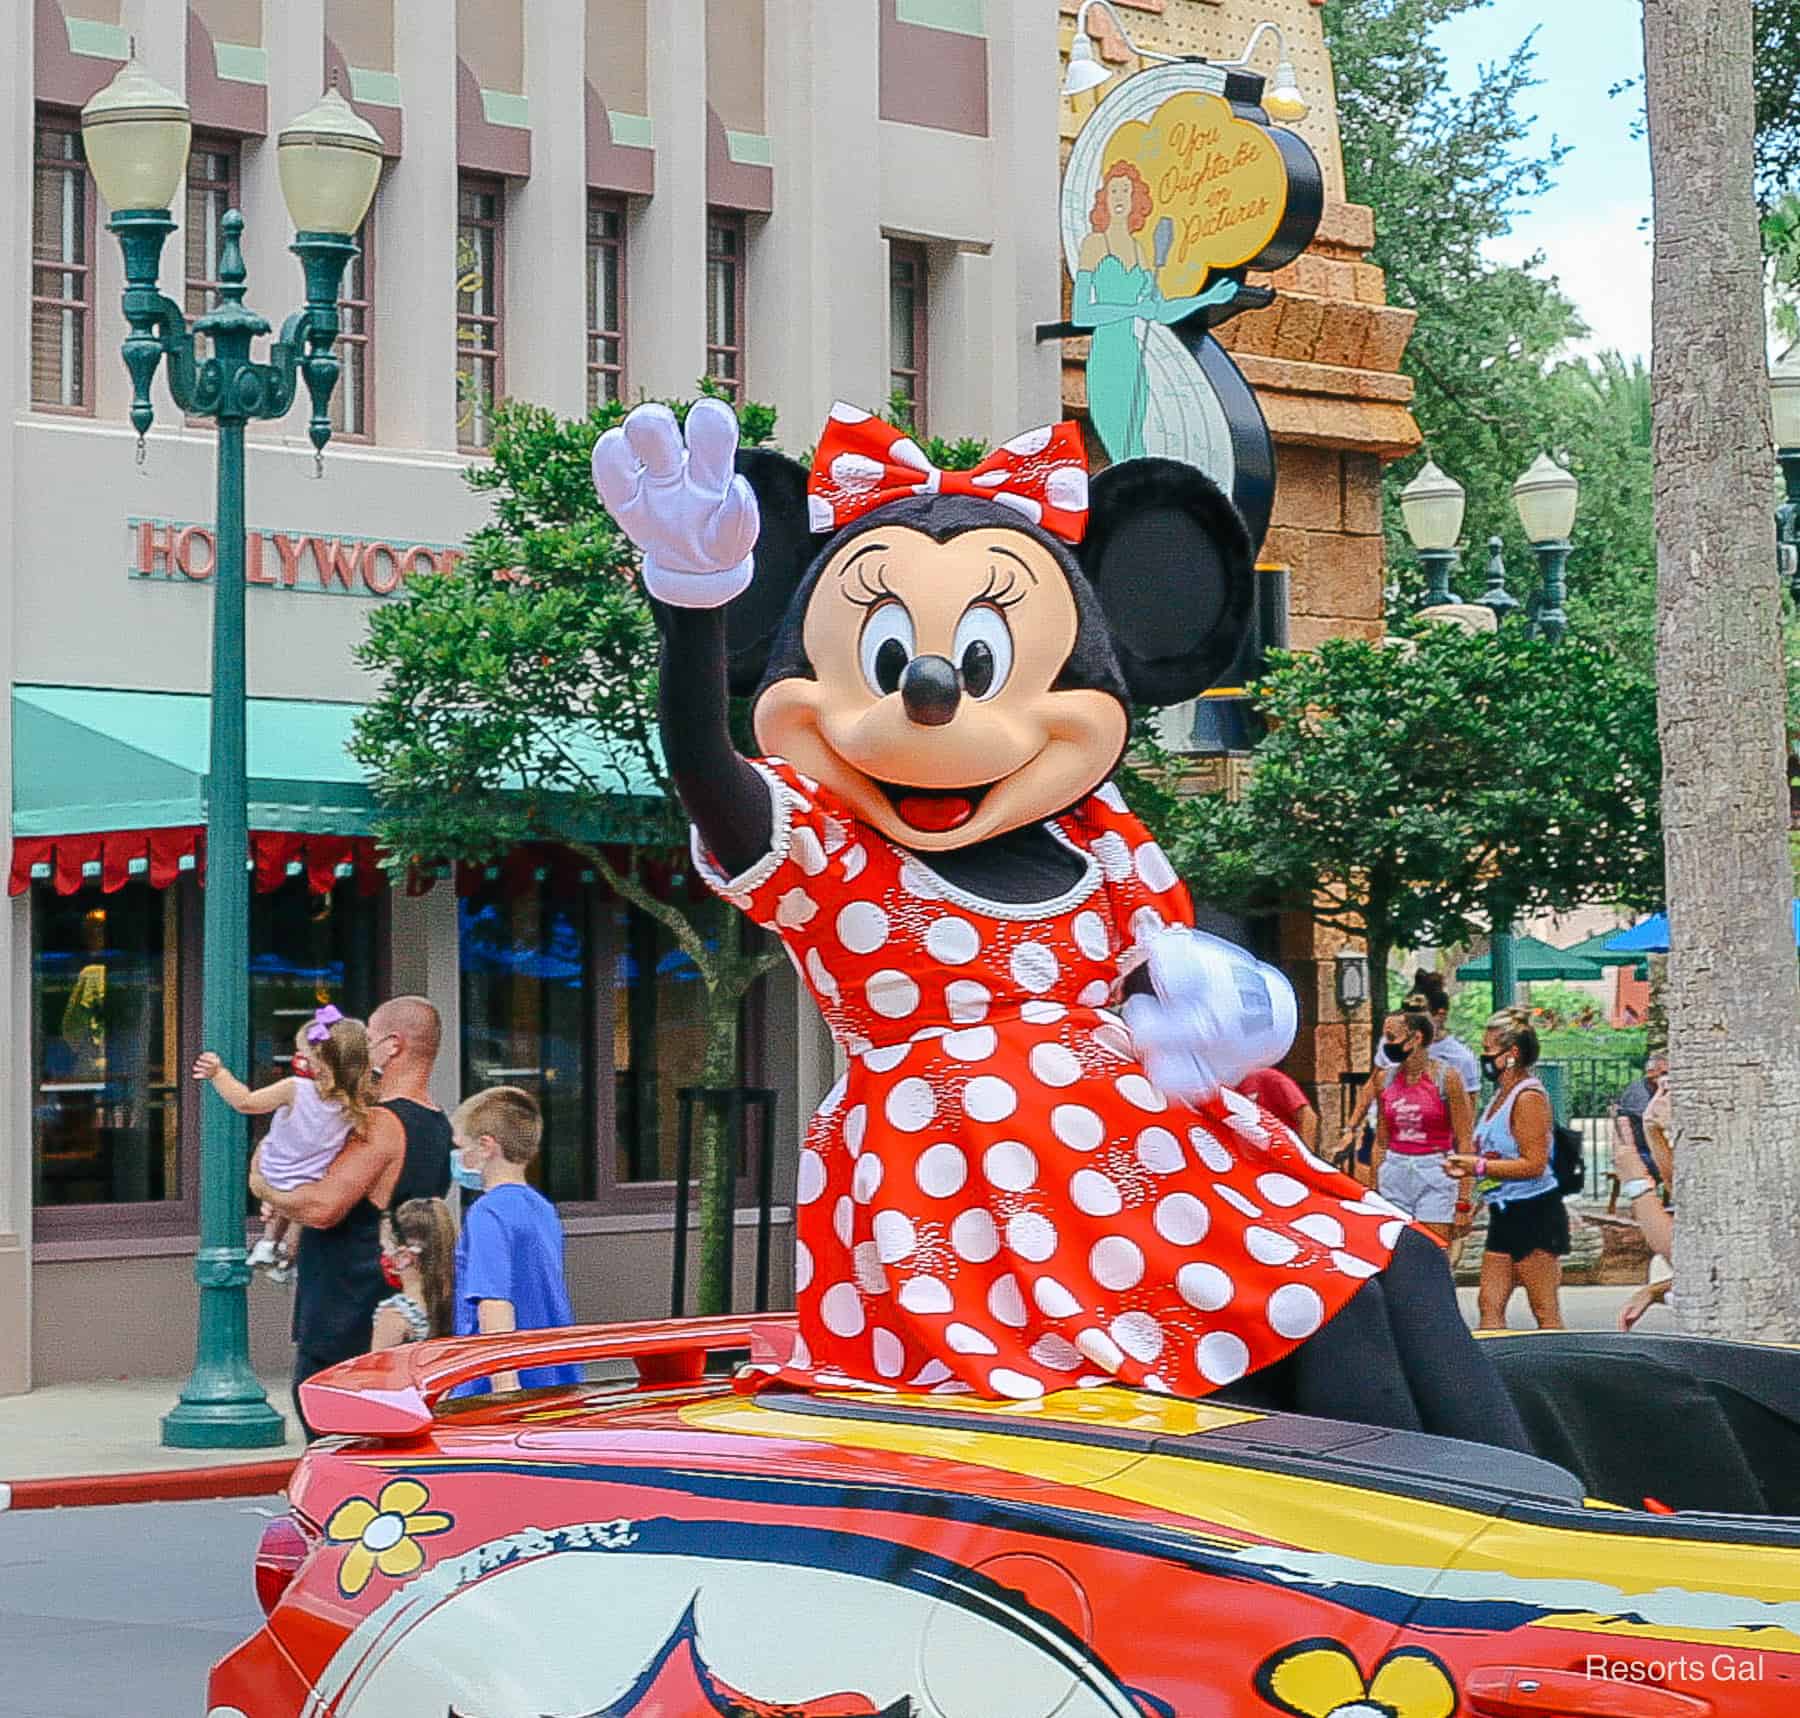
863,463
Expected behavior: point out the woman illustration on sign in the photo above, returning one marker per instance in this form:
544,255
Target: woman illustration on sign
1115,291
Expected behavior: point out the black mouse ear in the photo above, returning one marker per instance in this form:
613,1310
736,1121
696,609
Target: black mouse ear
1171,562
784,549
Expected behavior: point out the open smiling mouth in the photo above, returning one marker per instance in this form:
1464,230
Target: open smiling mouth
934,808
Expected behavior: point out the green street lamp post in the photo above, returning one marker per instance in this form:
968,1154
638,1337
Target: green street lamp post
1546,498
1503,967
137,135
1432,508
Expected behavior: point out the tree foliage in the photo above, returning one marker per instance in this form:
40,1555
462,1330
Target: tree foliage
1445,172
518,703
1777,98
1417,795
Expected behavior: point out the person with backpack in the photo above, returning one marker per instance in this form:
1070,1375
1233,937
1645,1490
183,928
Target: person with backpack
1513,1163
1423,1117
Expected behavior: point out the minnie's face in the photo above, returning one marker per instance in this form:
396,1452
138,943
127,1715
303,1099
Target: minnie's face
932,713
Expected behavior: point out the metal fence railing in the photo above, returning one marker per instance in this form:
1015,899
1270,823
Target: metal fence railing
1584,1090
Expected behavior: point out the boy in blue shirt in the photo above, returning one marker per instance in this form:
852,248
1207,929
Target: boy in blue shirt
509,1257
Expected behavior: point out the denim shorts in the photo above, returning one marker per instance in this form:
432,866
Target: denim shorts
1419,1186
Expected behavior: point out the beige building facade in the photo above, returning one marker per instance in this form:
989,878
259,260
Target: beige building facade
581,199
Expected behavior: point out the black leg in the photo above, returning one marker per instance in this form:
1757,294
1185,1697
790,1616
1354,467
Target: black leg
1350,1370
1457,1387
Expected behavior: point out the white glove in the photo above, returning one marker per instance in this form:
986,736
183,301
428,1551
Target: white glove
693,520
1217,1014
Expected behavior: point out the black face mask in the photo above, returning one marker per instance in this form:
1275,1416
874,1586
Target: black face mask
1393,1054
1490,1068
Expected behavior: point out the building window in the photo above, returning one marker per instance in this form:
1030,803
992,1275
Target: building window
212,188
353,399
659,1042
527,1018
908,294
62,280
725,302
305,950
116,1022
480,296
107,1047
606,299
589,1004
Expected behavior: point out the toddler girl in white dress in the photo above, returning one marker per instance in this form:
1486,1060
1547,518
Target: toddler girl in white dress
317,1108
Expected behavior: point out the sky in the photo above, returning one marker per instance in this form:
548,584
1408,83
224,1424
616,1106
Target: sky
1592,227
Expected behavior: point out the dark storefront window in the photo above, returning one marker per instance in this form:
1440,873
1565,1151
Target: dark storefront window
527,1019
307,949
117,1022
589,1005
659,1038
107,1091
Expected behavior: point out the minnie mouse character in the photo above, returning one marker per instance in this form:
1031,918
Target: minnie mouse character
1035,1173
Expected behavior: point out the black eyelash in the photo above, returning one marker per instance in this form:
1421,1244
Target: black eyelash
874,592
1000,595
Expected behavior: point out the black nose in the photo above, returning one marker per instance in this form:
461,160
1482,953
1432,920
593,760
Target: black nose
930,691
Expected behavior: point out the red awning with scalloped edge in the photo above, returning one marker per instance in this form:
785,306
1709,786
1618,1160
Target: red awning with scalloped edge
158,856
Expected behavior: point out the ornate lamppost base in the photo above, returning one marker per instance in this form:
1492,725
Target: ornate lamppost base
224,1425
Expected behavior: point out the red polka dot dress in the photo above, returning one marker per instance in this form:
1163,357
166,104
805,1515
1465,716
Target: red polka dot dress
995,1199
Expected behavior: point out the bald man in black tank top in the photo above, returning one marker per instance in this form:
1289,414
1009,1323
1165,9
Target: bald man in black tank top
406,1155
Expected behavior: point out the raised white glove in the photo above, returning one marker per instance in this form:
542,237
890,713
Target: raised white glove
694,521
1216,1014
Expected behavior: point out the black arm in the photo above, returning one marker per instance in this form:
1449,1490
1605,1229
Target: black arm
727,800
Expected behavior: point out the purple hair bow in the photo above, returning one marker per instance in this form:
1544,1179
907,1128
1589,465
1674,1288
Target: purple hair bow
322,1022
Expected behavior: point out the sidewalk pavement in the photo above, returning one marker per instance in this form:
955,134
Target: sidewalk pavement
98,1443
1584,1308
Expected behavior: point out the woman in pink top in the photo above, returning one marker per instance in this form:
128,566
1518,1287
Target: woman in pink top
1424,1116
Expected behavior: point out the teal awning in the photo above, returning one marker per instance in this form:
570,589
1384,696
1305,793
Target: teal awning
89,759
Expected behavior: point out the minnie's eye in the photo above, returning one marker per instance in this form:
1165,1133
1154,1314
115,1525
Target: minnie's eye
983,649
886,648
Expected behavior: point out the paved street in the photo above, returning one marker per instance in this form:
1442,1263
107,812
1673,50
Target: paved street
119,1612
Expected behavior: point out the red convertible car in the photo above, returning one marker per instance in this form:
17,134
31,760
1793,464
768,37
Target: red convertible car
660,1546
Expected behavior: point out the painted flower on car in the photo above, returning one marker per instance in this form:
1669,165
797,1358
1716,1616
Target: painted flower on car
1320,1679
383,1535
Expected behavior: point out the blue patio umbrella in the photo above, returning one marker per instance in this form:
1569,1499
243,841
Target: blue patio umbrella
1651,935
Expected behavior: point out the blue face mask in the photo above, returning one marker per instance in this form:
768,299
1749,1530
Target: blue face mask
466,1178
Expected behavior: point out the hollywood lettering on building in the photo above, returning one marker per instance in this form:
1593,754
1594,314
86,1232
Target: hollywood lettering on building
370,567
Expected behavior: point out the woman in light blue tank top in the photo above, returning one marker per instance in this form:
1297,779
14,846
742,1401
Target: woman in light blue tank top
1528,1224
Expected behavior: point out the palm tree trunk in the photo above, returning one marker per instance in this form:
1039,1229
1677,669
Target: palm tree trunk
1733,995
